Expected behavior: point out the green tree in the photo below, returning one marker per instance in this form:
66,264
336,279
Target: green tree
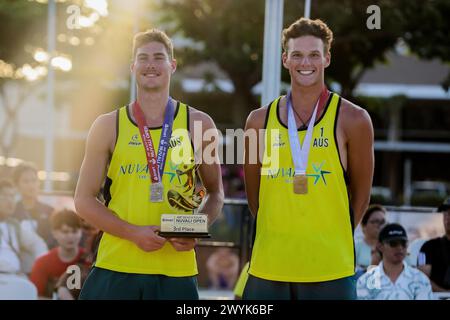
426,30
231,34
227,32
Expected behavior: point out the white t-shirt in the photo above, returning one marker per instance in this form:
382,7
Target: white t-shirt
363,253
9,248
19,247
411,284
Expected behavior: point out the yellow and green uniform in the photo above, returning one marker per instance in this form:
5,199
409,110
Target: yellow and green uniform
303,238
127,195
241,282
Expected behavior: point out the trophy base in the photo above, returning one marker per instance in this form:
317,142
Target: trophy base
184,234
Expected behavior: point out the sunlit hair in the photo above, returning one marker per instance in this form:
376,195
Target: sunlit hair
65,217
152,35
21,169
307,27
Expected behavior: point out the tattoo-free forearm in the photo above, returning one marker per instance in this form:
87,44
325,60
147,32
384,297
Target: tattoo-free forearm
95,213
212,206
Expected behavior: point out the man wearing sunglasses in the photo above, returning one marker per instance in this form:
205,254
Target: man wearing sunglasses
393,279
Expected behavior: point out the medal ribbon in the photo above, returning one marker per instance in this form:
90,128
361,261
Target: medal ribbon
300,153
155,161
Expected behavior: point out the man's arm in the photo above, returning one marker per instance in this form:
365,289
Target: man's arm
99,145
252,161
360,158
426,268
210,174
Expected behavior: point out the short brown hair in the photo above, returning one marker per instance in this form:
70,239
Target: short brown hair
21,168
151,35
307,27
373,208
65,217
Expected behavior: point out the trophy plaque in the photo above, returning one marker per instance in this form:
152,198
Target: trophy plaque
184,226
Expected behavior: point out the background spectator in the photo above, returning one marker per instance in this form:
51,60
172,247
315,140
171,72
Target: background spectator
435,255
29,208
365,248
66,228
393,279
223,268
15,239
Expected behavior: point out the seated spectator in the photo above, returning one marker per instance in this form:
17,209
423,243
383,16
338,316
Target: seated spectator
372,221
393,278
29,208
66,228
15,239
91,237
414,250
223,268
434,256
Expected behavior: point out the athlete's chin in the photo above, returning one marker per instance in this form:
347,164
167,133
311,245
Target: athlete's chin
307,83
150,86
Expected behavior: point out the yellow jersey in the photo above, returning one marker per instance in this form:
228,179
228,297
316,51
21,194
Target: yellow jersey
127,191
309,237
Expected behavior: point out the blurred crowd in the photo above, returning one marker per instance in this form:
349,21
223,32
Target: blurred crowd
44,253
47,253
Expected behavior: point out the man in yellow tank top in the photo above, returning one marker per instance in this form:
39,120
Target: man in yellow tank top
311,185
134,261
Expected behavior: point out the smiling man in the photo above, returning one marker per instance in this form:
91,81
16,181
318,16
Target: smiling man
147,151
308,199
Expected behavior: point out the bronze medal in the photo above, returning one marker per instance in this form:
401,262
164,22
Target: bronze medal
300,184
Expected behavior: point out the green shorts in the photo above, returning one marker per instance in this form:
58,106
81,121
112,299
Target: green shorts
103,284
261,289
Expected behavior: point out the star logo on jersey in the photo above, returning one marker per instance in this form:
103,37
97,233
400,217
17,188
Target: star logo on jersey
319,173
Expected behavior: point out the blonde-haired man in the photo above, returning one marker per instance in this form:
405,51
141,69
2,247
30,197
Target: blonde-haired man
324,145
134,261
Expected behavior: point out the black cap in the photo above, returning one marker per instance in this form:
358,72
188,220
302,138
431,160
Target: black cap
445,205
392,231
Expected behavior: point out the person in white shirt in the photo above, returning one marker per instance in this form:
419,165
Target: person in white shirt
393,279
372,222
15,239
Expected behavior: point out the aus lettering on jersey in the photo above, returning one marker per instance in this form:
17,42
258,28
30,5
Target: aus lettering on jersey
320,142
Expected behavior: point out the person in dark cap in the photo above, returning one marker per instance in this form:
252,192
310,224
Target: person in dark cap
393,279
434,256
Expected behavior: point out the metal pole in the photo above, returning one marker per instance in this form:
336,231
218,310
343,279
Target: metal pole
135,30
407,182
273,22
49,137
307,8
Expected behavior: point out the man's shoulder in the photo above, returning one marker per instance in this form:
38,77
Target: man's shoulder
351,111
48,259
354,119
197,114
417,274
203,117
108,117
104,128
257,117
369,274
432,243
